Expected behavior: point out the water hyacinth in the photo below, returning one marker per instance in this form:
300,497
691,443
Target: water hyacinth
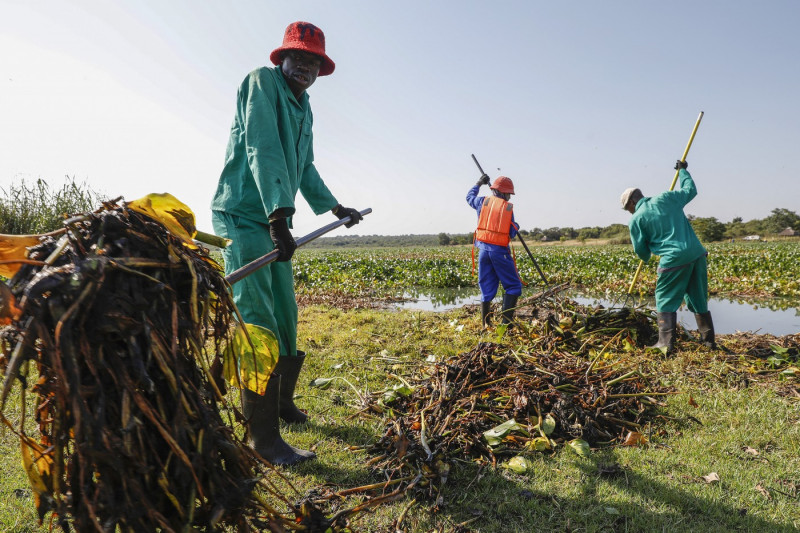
741,269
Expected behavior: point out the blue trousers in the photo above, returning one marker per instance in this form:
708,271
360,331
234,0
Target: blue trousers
495,267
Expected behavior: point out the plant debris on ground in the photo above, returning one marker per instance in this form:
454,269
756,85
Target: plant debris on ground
495,402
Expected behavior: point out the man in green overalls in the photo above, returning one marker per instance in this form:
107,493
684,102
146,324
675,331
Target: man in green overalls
269,158
659,227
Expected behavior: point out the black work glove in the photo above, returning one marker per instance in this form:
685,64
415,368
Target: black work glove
342,212
484,180
681,164
282,237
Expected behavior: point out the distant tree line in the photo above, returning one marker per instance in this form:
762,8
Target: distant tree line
374,241
708,229
612,232
38,208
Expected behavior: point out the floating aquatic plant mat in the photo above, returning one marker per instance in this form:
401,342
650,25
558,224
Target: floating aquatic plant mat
119,328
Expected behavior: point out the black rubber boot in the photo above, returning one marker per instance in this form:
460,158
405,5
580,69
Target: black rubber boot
289,369
265,436
706,328
667,323
509,306
486,308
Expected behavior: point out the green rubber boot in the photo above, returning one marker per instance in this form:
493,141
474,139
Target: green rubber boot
261,413
289,369
667,324
706,328
509,306
486,309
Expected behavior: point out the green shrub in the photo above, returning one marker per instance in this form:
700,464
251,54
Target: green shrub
620,240
38,208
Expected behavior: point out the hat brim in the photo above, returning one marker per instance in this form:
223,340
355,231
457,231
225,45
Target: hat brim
327,67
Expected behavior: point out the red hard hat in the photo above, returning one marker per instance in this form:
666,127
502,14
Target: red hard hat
503,184
308,38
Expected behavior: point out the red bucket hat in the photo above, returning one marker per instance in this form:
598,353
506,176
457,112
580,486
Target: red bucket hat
307,37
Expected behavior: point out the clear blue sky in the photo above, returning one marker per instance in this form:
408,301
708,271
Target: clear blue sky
574,101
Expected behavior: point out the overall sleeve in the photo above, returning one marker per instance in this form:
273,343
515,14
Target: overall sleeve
639,242
686,190
475,201
263,144
514,229
314,190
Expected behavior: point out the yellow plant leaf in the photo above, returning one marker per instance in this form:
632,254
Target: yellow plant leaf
8,306
634,438
539,444
581,447
250,357
12,249
171,212
518,465
38,466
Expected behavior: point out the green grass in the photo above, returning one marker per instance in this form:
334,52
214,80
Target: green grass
659,488
17,512
745,428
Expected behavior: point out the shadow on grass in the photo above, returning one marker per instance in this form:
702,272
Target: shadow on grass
602,497
682,510
325,468
598,496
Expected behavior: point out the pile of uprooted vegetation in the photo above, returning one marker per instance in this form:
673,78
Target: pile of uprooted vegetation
497,403
118,328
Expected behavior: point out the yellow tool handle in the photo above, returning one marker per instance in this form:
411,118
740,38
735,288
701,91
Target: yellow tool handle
635,276
671,187
686,152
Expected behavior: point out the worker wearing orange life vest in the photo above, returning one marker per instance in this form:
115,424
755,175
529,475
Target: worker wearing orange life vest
496,228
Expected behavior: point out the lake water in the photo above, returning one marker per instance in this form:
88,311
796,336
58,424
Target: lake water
730,316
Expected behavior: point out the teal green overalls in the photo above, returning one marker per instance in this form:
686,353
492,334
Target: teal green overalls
269,158
659,227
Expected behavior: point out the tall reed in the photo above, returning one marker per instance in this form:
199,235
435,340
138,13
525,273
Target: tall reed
30,208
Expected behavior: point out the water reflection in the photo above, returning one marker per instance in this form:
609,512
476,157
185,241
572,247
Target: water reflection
439,299
731,315
774,316
774,304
